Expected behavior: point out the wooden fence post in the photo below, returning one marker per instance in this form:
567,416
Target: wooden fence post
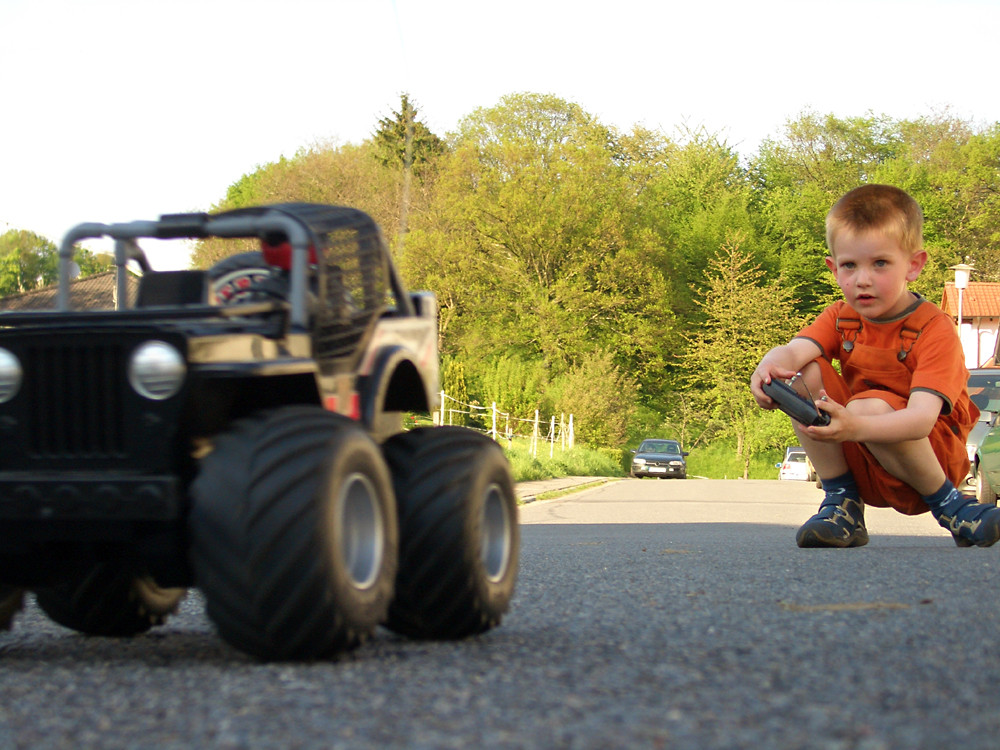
566,435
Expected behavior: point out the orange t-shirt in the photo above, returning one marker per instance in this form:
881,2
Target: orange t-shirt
873,365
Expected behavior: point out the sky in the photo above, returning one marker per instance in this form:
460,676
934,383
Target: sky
118,110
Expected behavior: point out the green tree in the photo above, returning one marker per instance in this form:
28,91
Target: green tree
27,261
338,175
403,142
600,396
953,170
91,263
515,384
684,418
745,316
696,193
532,243
454,385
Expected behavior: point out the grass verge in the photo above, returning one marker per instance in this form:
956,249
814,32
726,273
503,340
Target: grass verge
581,461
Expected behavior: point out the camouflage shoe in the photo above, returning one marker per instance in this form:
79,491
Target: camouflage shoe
840,522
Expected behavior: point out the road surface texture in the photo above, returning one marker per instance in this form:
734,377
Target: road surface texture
649,614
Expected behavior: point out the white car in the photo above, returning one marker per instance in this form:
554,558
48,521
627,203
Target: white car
795,466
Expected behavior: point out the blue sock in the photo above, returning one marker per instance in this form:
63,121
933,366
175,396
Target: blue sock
840,487
946,494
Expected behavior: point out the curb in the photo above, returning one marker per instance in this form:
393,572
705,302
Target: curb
563,491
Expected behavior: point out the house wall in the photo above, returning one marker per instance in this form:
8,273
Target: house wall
979,340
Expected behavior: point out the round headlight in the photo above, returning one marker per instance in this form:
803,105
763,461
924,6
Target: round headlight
156,370
11,375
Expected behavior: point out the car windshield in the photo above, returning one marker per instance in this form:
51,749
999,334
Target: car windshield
796,458
984,390
660,446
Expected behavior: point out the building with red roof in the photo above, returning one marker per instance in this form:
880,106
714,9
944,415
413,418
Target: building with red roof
980,320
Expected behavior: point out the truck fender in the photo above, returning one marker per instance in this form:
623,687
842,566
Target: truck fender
393,384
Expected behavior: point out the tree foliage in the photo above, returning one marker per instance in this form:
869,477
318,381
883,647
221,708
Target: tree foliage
516,385
27,261
90,263
600,395
325,173
403,141
454,385
532,241
745,317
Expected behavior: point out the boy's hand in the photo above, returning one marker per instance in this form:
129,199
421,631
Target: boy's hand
781,363
841,424
765,373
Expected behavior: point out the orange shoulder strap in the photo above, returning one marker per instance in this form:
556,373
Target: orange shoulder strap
849,329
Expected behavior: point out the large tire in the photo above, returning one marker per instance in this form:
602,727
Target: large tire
985,493
294,534
109,599
459,536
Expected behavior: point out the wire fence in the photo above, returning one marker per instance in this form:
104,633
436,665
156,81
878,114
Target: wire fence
505,426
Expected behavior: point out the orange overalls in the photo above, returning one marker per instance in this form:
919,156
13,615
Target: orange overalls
888,360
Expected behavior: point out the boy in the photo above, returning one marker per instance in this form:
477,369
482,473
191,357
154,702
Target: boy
900,411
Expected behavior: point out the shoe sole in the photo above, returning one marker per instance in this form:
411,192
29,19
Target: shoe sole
810,539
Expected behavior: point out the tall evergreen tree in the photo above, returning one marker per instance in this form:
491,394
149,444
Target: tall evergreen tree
745,316
403,141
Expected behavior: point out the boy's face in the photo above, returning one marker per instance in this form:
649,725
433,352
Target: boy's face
872,271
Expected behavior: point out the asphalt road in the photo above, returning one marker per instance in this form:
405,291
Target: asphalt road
660,614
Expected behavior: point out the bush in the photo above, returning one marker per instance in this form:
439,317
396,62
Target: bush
581,461
600,396
718,460
515,384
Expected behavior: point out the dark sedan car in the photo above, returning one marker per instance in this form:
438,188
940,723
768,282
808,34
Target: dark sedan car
659,458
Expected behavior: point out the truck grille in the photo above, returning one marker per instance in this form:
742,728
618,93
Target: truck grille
74,389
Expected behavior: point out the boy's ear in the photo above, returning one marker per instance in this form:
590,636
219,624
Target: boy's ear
831,264
917,262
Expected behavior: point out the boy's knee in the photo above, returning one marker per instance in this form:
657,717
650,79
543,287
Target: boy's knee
812,374
867,407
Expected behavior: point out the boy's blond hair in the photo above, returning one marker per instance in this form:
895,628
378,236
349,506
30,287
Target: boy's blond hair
881,208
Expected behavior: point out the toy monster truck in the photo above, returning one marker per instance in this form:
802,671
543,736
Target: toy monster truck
237,430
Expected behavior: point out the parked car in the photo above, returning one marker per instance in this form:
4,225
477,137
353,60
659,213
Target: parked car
659,458
796,465
983,442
